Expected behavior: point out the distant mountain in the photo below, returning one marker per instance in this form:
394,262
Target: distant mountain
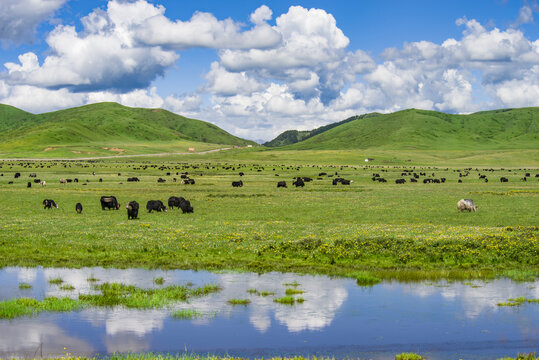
105,124
422,129
293,136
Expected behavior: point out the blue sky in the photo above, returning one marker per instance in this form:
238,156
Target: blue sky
257,68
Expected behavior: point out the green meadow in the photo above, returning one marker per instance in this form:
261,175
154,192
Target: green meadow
368,230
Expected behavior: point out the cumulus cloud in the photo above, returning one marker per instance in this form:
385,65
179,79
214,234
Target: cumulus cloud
261,15
19,19
204,30
296,74
127,46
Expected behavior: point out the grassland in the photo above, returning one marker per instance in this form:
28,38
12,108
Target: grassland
369,231
105,129
430,130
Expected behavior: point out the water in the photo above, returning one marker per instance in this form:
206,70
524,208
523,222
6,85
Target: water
338,318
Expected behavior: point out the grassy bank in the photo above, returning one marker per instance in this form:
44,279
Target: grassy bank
408,231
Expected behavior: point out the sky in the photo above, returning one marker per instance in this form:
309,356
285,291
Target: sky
258,68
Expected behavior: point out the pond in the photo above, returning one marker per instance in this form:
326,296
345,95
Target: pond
441,320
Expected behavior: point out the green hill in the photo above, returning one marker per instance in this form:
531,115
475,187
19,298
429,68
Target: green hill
431,130
294,136
106,129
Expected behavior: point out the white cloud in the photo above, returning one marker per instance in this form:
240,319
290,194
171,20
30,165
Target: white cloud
222,82
296,74
19,19
126,47
262,14
204,30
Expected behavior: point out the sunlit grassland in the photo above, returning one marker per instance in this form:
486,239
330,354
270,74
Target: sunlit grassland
97,149
367,230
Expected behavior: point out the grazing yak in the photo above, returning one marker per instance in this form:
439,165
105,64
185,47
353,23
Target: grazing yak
181,203
133,179
29,184
400,181
466,204
43,183
504,179
48,204
132,210
109,202
299,182
281,184
237,183
63,181
156,205
17,175
78,208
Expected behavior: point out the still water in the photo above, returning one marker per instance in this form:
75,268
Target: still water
442,320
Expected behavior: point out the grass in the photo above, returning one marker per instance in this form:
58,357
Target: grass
429,130
24,286
244,302
293,291
185,314
159,281
408,356
260,293
67,287
79,132
368,231
519,301
530,356
364,278
288,300
14,308
111,294
56,281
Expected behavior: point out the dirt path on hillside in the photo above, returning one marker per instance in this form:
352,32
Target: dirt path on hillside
118,156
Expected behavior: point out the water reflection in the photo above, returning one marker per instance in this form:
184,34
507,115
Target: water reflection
337,317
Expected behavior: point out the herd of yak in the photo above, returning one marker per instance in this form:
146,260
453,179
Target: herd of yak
110,202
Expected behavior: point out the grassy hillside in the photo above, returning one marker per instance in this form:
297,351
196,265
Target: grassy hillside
294,136
431,130
105,129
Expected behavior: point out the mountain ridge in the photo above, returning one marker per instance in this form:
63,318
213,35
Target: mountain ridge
430,130
92,128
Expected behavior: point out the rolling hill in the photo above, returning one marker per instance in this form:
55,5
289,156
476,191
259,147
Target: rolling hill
106,129
294,136
431,130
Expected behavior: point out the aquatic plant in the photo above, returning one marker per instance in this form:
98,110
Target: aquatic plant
159,281
518,301
408,356
13,308
239,301
67,287
364,278
186,314
56,281
24,286
293,291
111,294
530,356
287,300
